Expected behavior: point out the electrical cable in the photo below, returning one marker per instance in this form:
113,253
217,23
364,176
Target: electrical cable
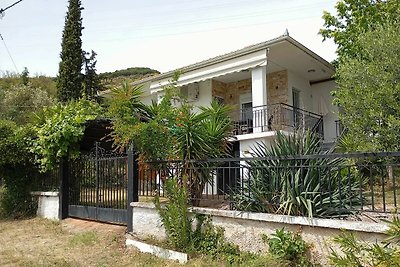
10,6
9,54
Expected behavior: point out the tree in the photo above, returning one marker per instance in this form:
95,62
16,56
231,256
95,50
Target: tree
353,19
369,91
173,131
22,101
58,130
25,76
91,80
69,80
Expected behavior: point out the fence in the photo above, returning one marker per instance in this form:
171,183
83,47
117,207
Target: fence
47,181
329,185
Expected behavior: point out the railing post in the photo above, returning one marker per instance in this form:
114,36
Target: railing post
64,189
133,179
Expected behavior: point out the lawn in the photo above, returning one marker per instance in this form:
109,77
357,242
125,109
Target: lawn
40,242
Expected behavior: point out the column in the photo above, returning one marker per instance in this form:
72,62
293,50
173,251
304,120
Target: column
259,98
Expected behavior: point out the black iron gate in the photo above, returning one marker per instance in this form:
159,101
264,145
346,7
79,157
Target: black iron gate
98,186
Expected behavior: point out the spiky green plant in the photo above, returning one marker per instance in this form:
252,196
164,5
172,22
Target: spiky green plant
307,186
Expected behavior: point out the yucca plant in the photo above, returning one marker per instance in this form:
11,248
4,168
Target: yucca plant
307,186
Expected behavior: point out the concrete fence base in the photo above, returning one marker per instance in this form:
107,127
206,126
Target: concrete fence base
48,204
246,228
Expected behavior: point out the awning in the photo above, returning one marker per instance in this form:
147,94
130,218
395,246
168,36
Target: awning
238,64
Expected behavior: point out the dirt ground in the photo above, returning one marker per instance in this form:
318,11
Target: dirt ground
40,242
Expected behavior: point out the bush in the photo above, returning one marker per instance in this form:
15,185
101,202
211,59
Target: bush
313,187
357,253
16,169
288,246
204,238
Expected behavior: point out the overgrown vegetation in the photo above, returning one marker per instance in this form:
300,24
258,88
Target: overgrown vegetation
313,187
203,238
288,246
16,169
358,253
58,130
172,130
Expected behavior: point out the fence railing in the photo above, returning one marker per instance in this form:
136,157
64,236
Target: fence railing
47,181
276,117
331,185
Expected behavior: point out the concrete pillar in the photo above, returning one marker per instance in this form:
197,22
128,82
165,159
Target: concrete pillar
259,98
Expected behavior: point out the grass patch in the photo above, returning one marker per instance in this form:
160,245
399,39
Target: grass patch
85,238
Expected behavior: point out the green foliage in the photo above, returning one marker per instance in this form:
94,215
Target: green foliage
127,110
353,19
204,238
320,188
25,76
369,86
175,215
357,253
59,129
16,169
20,102
129,72
91,80
69,80
288,246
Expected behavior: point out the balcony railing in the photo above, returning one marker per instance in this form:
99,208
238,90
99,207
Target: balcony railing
274,118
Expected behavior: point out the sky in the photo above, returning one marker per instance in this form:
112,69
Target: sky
159,34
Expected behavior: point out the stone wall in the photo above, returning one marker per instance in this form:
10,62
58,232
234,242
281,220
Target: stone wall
245,228
277,84
231,91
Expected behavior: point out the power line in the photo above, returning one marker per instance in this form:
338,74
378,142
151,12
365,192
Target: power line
8,52
10,6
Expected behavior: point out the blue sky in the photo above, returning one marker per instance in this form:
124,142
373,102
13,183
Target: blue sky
162,35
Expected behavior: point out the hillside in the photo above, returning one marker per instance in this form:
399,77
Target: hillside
112,79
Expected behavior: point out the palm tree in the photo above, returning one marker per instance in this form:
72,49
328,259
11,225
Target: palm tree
200,136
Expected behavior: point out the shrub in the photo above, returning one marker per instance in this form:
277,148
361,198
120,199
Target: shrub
16,169
59,129
310,187
204,238
288,246
357,253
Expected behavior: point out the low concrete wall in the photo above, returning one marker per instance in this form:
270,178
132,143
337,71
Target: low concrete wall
245,228
48,205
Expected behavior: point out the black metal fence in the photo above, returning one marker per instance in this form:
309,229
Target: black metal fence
276,117
331,185
46,181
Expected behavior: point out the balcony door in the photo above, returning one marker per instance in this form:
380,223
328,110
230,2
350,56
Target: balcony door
296,107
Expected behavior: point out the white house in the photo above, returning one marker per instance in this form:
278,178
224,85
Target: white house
275,85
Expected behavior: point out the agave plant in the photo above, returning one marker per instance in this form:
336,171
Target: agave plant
282,180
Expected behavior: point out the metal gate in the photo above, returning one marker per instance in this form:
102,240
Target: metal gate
98,186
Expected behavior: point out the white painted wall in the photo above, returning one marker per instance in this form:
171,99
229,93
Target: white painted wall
323,104
48,205
303,85
205,95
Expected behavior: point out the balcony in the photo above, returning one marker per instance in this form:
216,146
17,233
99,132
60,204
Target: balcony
275,118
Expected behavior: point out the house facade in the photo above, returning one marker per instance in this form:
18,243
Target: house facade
277,85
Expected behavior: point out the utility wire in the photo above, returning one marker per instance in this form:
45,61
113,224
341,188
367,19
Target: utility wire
9,54
10,6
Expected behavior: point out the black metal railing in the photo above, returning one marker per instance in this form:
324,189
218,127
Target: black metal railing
340,129
274,118
331,185
47,181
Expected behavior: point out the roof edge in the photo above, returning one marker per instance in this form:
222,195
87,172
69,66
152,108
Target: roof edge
237,53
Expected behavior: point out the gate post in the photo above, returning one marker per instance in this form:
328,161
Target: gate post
133,186
64,189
